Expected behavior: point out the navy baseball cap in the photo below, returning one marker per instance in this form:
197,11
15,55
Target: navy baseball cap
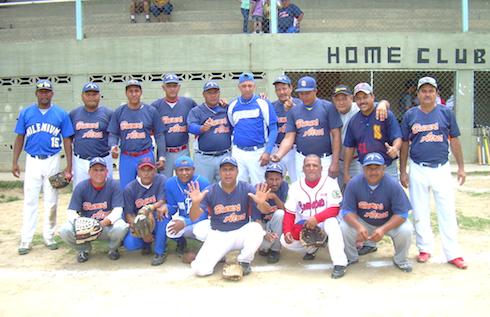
210,85
373,158
146,161
97,160
228,160
274,167
364,87
306,83
133,82
342,90
183,161
171,79
44,84
91,87
427,80
246,77
283,79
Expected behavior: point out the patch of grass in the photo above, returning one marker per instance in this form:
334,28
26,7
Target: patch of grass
480,194
39,240
7,199
473,223
11,184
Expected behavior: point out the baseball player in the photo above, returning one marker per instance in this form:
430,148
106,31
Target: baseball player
368,134
179,204
254,124
173,111
44,127
147,189
428,128
91,138
130,128
209,123
272,222
98,197
375,205
315,129
282,105
314,200
232,227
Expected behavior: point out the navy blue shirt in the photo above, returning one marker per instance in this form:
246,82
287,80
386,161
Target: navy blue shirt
137,196
285,16
216,139
282,117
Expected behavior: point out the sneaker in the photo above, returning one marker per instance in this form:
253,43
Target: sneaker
246,268
24,248
459,263
423,257
404,267
114,255
273,257
181,246
146,250
147,20
158,259
133,20
263,252
338,271
366,249
82,256
310,256
51,244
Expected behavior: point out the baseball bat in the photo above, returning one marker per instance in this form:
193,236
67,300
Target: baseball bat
482,147
485,142
478,150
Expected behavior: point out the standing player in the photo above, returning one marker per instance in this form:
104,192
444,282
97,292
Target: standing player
254,124
91,138
131,126
428,128
209,123
43,126
98,197
282,105
315,129
232,228
314,200
173,110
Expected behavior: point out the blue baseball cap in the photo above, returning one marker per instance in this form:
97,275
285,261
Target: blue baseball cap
44,84
210,85
373,158
363,87
283,79
228,160
146,161
274,167
183,161
171,79
246,77
133,82
306,83
90,86
97,160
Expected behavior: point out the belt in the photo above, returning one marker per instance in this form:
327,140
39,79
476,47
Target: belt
136,153
431,165
91,157
250,148
41,157
175,149
216,153
321,155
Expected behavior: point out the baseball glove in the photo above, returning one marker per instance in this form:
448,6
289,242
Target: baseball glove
232,272
59,180
144,223
315,237
86,229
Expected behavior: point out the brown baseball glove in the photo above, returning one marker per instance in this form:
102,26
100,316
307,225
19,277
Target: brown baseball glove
59,180
315,237
144,223
86,229
232,272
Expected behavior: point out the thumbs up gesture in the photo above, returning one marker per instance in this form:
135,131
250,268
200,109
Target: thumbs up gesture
391,151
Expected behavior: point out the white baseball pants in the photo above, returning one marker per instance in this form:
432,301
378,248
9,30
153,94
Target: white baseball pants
197,231
289,163
249,165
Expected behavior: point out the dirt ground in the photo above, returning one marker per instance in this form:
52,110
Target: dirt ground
52,283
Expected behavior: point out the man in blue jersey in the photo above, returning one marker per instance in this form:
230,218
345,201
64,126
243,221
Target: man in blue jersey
209,123
254,123
172,111
44,127
148,189
91,138
97,197
428,130
176,191
130,129
375,205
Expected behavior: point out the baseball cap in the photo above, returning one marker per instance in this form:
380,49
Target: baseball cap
364,87
91,87
44,84
282,80
274,167
306,83
146,161
245,77
228,160
341,90
133,82
97,160
171,79
427,80
373,158
183,161
210,85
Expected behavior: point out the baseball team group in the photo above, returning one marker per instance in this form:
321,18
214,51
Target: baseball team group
261,173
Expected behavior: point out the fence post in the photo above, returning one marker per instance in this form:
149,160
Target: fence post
79,19
273,16
464,15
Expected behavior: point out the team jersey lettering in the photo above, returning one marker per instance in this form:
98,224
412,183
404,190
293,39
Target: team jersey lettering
86,125
177,129
91,134
300,123
172,120
377,132
282,119
100,215
221,209
124,125
133,135
431,137
368,205
88,206
140,202
376,215
312,204
234,218
417,127
42,127
314,132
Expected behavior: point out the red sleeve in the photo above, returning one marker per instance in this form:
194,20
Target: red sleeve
327,213
288,222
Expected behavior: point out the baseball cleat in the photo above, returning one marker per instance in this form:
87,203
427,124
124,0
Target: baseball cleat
24,248
404,267
146,250
246,268
82,256
51,244
423,257
264,252
273,257
338,271
459,263
158,259
181,247
366,249
114,254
